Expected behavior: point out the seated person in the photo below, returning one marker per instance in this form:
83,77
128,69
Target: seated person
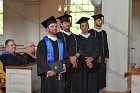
10,57
2,78
29,55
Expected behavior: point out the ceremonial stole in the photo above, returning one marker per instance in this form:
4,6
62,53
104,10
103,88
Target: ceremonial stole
7,53
50,52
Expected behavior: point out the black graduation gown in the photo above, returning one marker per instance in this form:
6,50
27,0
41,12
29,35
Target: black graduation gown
103,52
89,49
11,59
72,46
28,58
73,75
48,84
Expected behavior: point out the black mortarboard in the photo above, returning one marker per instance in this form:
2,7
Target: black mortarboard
82,20
99,16
65,18
49,21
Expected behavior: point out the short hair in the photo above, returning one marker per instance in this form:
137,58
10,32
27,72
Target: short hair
7,41
27,44
87,24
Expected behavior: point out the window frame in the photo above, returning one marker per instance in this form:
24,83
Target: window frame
1,13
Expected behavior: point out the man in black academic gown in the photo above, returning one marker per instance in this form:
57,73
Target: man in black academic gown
50,50
29,55
73,80
10,57
89,54
101,36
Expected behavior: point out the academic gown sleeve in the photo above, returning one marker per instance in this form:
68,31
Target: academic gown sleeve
66,58
28,59
19,59
42,64
106,46
60,35
96,50
10,60
25,58
80,48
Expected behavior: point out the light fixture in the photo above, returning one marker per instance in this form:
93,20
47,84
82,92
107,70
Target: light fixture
96,3
59,8
63,8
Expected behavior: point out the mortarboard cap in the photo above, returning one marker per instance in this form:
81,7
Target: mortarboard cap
65,18
49,21
99,16
82,20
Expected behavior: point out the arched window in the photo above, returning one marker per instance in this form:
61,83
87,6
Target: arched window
1,17
80,8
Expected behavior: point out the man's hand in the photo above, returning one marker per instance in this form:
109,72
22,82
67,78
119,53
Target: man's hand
89,59
74,65
99,59
73,61
106,59
51,73
90,65
64,69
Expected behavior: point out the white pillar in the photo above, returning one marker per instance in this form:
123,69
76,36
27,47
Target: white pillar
116,24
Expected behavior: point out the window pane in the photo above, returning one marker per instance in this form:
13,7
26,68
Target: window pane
76,1
1,17
85,1
85,7
75,28
81,8
91,8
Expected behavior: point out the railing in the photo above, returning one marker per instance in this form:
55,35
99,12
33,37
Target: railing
19,48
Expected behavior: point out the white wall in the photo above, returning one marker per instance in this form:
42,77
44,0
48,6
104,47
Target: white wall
116,14
136,32
22,19
32,22
14,21
48,8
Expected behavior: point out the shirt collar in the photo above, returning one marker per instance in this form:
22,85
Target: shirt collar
52,38
67,33
98,30
85,35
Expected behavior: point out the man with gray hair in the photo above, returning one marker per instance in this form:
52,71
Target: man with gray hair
29,55
10,57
